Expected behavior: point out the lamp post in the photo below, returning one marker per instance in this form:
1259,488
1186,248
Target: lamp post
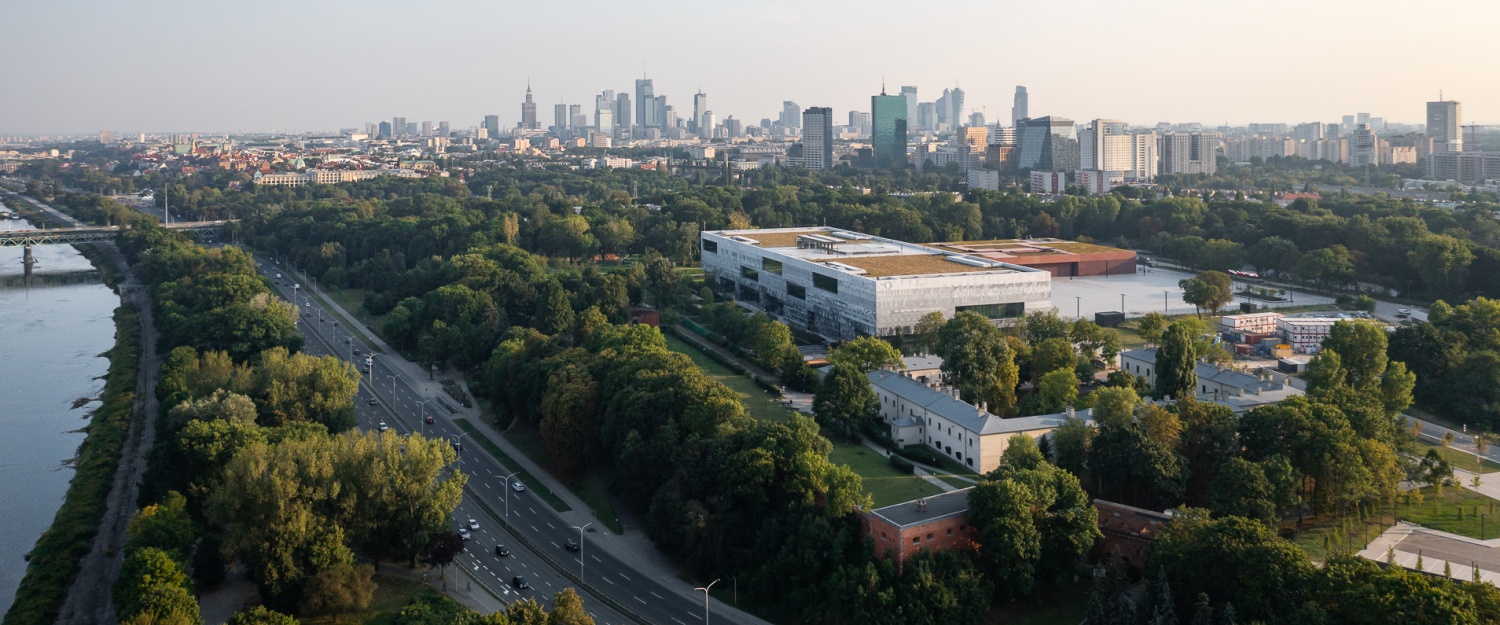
1122,303
1164,303
507,507
580,529
1078,306
705,599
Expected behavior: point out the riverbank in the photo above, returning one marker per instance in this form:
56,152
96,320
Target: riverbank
56,559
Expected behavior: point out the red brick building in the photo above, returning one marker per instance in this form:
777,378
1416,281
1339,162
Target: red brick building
1128,532
940,522
1062,258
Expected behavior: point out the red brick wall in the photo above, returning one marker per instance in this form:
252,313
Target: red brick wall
949,533
1128,533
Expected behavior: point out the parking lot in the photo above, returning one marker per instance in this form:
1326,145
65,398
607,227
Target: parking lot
1149,289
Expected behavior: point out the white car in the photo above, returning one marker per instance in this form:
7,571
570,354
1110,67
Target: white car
518,486
384,427
474,524
1403,312
463,533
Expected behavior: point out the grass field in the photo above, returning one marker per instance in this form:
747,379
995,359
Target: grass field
1457,511
353,300
392,592
887,484
1460,460
758,403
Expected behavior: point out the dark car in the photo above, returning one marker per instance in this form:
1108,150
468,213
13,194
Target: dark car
429,419
501,551
374,403
571,545
519,583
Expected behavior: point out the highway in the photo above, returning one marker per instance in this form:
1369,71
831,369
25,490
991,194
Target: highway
387,395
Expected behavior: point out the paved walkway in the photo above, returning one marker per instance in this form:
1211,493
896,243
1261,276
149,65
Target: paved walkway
633,546
1406,543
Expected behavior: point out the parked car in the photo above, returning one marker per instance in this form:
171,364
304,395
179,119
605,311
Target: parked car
571,545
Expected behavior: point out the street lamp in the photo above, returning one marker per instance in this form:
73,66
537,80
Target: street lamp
576,527
422,414
1078,306
1164,303
705,599
507,507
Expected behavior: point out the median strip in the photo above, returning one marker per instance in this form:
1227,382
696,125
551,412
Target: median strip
527,478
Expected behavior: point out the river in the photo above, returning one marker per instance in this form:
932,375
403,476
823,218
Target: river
51,341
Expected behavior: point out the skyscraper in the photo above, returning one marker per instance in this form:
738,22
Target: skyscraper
1445,126
491,125
888,133
658,112
791,115
444,129
817,138
645,103
927,116
1104,145
1021,109
604,113
910,93
622,114
398,126
700,106
859,122
943,114
385,130
1364,146
956,108
560,119
528,112
1048,143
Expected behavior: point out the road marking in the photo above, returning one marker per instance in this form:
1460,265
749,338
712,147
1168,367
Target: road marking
643,601
679,621
551,526
606,579
620,574
596,558
533,510
534,529
653,593
695,615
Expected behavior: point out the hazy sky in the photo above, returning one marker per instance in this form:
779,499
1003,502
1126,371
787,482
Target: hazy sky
211,65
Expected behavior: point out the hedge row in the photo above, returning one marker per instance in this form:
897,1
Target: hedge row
55,560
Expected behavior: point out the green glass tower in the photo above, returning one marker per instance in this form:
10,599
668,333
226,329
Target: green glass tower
888,133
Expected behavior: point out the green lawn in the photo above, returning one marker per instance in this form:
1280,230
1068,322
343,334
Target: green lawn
1457,511
591,488
353,300
758,403
526,477
392,592
887,484
1460,460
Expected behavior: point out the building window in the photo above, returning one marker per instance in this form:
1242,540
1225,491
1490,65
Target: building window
950,531
930,536
827,283
749,273
916,540
796,290
996,311
711,247
771,266
970,461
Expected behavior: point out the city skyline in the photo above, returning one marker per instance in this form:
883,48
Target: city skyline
232,77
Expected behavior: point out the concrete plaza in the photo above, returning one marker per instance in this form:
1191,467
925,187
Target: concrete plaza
1149,289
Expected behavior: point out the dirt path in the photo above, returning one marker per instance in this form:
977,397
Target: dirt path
89,601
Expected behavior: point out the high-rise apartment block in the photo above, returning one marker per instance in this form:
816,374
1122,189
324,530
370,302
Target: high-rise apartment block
817,138
1048,143
1445,126
1190,153
1364,146
491,125
888,130
1105,145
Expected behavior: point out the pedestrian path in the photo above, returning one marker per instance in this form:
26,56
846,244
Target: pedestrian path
1423,549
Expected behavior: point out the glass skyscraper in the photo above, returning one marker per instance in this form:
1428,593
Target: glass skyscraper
888,134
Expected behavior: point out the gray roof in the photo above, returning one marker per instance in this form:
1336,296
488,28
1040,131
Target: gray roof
963,414
922,363
938,506
1227,377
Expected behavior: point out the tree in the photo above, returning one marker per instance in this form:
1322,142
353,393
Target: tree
1329,266
1057,390
1361,347
339,589
1176,363
567,609
844,400
1210,291
570,418
1050,355
1442,262
554,313
1165,612
1070,445
979,361
771,341
442,548
1232,558
925,333
260,615
1010,544
150,581
1396,388
1151,327
866,353
1241,489
1115,406
166,526
1274,253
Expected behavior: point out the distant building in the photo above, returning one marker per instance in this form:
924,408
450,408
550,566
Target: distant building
817,138
888,134
936,523
1053,182
528,112
1445,126
986,179
910,94
645,103
1237,390
1048,143
1021,109
1190,153
492,125
859,122
1096,182
791,115
561,121
1105,145
1465,167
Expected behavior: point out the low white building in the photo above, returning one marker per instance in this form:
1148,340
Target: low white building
1238,390
931,414
841,284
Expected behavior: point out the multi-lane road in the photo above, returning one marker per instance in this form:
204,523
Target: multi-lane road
387,395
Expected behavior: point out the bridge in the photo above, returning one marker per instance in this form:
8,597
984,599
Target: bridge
98,234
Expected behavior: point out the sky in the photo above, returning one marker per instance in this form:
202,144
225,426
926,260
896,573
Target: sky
81,66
